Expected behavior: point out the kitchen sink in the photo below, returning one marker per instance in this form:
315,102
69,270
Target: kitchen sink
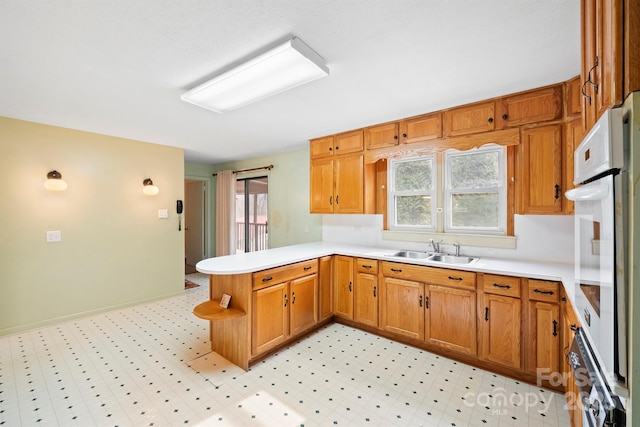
412,254
452,259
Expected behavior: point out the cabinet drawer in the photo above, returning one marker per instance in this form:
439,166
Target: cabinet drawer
446,277
273,276
501,285
365,265
432,275
542,290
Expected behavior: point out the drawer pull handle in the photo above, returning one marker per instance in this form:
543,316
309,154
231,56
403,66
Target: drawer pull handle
267,279
555,328
307,268
367,266
350,286
573,327
374,291
396,270
538,291
486,314
497,285
455,278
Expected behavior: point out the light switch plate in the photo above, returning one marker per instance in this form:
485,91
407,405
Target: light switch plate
163,213
53,236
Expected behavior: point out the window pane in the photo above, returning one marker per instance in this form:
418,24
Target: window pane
413,210
413,175
478,170
475,210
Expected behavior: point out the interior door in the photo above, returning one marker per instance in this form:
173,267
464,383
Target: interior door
194,229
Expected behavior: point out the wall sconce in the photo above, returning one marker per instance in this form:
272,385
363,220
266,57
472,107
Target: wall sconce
55,182
149,189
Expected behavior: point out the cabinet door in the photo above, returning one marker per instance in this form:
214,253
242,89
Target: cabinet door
270,317
574,131
343,286
321,191
541,170
530,107
365,296
321,147
574,97
303,303
472,119
385,135
609,36
403,307
421,128
500,330
348,142
349,184
451,318
325,288
543,351
588,68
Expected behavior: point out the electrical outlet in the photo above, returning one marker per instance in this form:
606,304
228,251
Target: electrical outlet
53,236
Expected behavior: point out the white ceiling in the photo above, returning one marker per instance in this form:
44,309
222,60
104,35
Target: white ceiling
119,67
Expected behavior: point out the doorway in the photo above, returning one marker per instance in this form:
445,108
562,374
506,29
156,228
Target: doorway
195,224
252,214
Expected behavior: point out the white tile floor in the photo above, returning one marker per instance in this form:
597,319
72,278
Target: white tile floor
151,365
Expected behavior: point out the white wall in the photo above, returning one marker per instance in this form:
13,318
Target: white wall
539,237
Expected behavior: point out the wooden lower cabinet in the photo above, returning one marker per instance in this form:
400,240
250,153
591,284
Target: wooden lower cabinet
325,287
572,393
403,307
500,330
343,286
365,295
542,347
450,318
282,311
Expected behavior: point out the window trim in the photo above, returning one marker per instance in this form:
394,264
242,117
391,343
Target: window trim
433,193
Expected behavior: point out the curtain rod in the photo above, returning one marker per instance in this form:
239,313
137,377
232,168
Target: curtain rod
268,167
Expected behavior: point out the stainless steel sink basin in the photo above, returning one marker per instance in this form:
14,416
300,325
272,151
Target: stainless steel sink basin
412,254
452,259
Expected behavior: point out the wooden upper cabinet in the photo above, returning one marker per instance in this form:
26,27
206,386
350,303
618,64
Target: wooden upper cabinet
470,119
384,135
573,97
343,143
540,168
321,191
321,147
348,142
530,107
421,128
349,184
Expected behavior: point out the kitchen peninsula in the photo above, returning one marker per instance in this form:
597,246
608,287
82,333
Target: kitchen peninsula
498,314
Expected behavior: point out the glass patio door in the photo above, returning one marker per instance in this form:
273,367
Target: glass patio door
251,214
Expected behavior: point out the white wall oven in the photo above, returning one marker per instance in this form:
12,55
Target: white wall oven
601,196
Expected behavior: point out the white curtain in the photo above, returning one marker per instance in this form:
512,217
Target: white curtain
225,213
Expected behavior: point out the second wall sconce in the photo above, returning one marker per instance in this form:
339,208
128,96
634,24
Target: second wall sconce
149,189
55,182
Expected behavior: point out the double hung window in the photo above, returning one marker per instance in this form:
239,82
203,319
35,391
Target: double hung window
450,192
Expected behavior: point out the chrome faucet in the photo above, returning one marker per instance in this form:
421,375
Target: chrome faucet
435,245
457,247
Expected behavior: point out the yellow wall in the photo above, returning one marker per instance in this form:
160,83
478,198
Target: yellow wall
114,252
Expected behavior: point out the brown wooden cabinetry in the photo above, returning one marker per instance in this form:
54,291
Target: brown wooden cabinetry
337,174
542,347
572,393
470,119
325,287
500,328
284,304
365,295
402,308
539,105
540,167
384,135
451,318
421,128
343,286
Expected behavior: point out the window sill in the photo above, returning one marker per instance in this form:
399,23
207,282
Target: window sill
480,240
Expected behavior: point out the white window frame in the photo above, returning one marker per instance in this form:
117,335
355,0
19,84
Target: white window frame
441,195
501,189
392,194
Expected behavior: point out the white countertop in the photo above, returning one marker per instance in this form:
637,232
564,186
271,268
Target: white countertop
262,260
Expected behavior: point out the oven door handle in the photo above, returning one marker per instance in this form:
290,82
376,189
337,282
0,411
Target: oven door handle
588,192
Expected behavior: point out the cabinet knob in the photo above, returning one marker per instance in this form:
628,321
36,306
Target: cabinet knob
395,137
490,119
505,116
330,148
404,135
337,147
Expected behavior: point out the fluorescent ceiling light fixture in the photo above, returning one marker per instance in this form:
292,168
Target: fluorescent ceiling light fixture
284,67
